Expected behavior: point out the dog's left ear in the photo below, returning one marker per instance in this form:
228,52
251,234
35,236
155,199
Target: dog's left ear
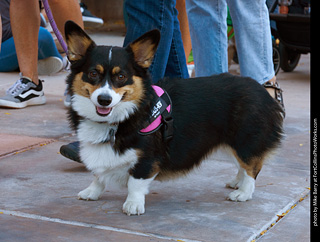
78,41
145,47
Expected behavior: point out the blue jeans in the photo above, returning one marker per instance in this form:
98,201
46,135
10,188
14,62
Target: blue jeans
146,15
208,30
8,55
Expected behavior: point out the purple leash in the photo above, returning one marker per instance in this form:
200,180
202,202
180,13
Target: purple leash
54,26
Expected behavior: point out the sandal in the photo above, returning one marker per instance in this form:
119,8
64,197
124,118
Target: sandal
275,91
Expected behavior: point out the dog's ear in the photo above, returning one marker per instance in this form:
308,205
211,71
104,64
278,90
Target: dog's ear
145,47
78,41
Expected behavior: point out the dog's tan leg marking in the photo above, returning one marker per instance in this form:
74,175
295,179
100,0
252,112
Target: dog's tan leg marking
245,180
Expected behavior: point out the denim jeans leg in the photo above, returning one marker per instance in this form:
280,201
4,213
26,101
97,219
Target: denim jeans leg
208,31
253,38
8,56
146,15
176,66
46,45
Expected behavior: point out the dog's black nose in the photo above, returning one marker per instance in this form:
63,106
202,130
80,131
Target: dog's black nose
104,99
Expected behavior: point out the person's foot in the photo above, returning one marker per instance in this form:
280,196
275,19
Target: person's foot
23,93
49,66
71,151
89,20
275,91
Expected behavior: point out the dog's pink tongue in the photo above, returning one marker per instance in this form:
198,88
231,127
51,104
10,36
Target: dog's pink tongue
103,111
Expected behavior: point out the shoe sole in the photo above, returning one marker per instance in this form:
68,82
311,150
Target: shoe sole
32,102
90,22
49,65
70,154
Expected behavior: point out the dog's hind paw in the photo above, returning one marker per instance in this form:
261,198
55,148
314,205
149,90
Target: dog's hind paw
240,196
233,184
89,194
133,208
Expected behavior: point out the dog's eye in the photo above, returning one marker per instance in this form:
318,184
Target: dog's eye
121,77
93,74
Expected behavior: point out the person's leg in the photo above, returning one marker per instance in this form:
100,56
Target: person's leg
25,23
208,30
46,47
176,66
49,59
8,56
184,27
253,38
147,15
64,10
254,44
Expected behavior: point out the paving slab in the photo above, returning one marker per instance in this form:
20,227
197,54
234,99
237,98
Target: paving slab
290,228
49,120
13,228
17,143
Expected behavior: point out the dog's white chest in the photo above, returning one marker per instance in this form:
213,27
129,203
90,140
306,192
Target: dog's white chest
100,157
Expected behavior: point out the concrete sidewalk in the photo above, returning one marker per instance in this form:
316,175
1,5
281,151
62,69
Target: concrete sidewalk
38,187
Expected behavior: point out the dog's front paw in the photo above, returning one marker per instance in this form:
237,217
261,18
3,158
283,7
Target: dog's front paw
89,194
133,207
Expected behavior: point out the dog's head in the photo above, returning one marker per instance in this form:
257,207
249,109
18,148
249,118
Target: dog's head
107,83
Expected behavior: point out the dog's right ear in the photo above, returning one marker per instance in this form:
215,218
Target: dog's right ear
78,41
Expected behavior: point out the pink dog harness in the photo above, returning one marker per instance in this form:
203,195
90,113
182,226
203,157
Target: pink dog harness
160,114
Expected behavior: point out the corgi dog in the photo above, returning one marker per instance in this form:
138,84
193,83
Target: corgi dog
114,107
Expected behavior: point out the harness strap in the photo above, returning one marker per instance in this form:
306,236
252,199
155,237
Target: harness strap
160,114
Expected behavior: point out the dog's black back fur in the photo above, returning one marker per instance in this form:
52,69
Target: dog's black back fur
221,110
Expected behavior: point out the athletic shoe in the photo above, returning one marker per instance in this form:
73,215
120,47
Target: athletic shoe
49,66
43,22
67,99
23,93
89,20
66,65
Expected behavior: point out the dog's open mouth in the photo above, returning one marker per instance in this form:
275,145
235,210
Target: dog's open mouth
103,111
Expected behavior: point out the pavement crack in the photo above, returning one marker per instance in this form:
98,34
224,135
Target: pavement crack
27,148
280,215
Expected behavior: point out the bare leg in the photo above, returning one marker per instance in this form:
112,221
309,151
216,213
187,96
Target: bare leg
184,27
25,23
64,10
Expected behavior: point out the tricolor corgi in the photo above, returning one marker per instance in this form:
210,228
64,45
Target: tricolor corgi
132,132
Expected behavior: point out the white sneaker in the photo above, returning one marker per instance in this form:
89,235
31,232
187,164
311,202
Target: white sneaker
49,66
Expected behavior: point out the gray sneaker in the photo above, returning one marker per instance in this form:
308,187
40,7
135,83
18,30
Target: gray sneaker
23,93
